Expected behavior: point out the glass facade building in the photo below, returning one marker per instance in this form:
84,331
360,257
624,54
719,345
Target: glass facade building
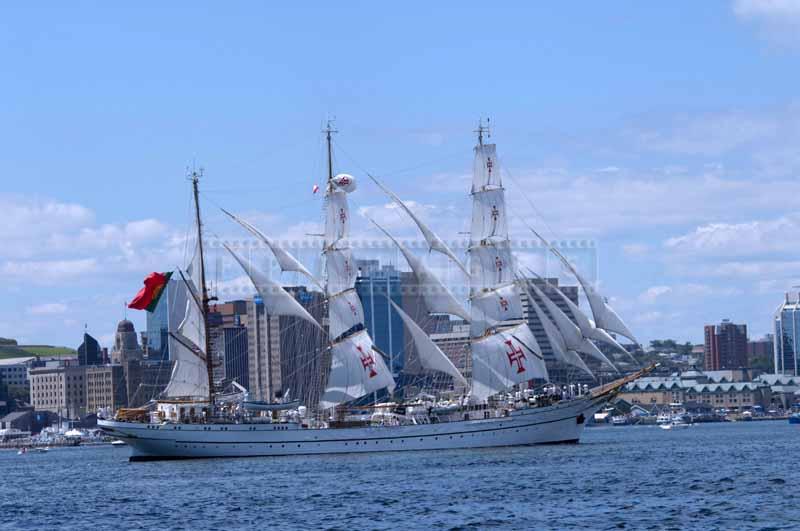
167,315
787,335
375,286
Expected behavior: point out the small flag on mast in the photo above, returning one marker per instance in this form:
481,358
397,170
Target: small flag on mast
315,189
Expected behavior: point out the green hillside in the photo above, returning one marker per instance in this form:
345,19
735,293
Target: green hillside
13,351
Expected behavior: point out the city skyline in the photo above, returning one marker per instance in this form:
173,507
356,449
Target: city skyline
675,157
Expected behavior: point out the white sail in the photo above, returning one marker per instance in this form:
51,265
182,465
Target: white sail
587,326
286,260
556,340
189,377
604,316
504,359
434,242
341,269
277,300
486,168
489,214
430,355
357,370
491,264
345,312
337,218
192,327
438,298
571,333
492,307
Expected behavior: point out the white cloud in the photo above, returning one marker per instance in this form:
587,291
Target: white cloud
776,20
653,293
740,239
50,308
48,272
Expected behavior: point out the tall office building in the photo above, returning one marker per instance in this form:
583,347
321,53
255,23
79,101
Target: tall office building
375,287
264,351
787,335
235,362
303,348
89,352
167,315
126,344
725,346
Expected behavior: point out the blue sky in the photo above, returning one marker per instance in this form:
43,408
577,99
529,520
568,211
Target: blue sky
667,134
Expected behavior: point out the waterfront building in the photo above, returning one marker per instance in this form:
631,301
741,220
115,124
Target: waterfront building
787,336
263,351
455,345
725,346
234,344
60,388
303,351
714,389
145,380
761,348
89,352
785,389
126,344
14,371
105,388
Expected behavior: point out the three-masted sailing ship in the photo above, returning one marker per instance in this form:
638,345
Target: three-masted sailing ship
499,405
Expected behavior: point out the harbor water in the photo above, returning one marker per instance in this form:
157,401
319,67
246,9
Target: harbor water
713,476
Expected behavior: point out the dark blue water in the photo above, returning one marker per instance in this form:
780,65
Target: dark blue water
713,476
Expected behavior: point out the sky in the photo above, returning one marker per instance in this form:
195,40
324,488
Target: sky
663,137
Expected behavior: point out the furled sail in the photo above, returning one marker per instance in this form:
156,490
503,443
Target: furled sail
357,369
438,298
337,219
286,260
277,300
434,242
430,355
556,340
504,359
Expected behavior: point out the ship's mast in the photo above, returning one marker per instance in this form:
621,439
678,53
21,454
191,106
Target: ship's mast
483,129
329,130
195,177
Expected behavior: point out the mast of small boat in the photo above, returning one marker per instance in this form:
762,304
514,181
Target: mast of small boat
195,178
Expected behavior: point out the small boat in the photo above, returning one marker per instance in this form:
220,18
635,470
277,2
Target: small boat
24,451
675,423
794,418
117,442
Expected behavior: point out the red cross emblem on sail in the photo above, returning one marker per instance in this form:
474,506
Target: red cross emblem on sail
342,215
368,362
353,309
503,303
498,264
515,355
489,165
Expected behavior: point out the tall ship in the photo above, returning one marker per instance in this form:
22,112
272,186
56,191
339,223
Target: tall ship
504,399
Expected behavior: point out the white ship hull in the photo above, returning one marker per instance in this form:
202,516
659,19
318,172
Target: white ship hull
561,423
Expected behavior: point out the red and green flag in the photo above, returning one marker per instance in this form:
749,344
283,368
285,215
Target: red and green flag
148,296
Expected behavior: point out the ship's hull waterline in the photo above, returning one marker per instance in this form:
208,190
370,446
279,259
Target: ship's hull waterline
560,423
